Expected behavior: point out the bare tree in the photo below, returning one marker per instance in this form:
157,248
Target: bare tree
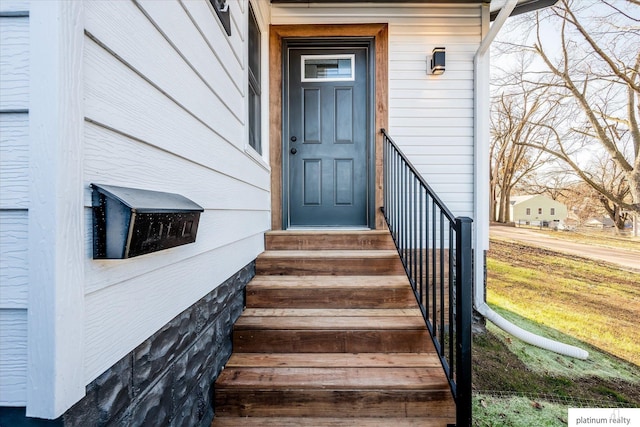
582,201
511,158
607,174
594,67
554,183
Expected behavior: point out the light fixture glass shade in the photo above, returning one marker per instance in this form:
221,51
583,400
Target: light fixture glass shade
438,60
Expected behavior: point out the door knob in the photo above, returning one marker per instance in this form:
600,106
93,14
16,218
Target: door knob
294,139
294,151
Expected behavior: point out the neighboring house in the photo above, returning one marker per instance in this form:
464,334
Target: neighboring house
537,208
601,222
210,103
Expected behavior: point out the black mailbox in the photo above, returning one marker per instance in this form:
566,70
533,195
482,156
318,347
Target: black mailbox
128,222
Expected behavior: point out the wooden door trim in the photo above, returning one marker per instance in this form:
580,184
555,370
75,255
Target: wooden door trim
277,32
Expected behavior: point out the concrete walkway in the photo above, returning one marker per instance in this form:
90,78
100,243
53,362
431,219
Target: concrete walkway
627,259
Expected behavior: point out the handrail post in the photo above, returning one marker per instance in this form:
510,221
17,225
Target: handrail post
464,277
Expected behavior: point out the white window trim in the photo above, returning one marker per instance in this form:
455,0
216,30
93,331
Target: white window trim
260,159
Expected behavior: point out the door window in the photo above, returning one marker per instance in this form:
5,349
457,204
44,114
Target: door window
328,68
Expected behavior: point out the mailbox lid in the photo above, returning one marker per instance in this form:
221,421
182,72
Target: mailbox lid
147,201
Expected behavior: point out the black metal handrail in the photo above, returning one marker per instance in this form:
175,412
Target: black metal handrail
435,248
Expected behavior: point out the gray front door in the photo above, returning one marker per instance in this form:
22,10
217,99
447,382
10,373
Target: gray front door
326,137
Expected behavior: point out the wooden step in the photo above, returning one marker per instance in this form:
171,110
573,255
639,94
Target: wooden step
334,331
329,422
328,240
330,291
333,312
318,319
331,336
349,378
334,360
305,402
285,391
329,262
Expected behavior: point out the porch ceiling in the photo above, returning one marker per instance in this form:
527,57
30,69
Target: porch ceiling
523,6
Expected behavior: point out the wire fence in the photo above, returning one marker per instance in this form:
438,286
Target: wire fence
573,402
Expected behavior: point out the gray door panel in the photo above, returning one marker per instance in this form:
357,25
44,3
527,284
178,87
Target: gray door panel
327,145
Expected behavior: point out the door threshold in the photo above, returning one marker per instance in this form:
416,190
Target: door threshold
328,228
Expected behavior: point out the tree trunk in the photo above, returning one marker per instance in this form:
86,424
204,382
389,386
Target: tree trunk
507,206
492,201
618,220
634,188
501,207
615,213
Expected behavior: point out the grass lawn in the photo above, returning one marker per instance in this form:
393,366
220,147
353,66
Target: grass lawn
573,300
516,411
593,302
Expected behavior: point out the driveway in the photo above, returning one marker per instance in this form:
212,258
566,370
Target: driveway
624,258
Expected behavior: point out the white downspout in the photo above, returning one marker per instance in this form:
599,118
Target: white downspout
481,150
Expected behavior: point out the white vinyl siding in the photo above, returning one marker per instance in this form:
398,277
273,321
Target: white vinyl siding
14,160
163,96
430,117
166,110
14,200
14,73
13,358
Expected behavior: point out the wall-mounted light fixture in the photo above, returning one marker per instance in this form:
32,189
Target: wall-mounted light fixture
222,5
437,60
221,8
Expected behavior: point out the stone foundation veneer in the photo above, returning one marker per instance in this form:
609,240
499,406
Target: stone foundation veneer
168,379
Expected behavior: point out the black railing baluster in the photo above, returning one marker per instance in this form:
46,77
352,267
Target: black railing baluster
389,208
426,260
414,227
405,178
402,209
414,251
385,178
417,218
421,246
393,190
410,225
396,188
442,298
434,287
451,285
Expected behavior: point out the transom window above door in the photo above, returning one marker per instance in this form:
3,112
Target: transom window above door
328,68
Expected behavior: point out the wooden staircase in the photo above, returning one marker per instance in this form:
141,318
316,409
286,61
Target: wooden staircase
331,336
